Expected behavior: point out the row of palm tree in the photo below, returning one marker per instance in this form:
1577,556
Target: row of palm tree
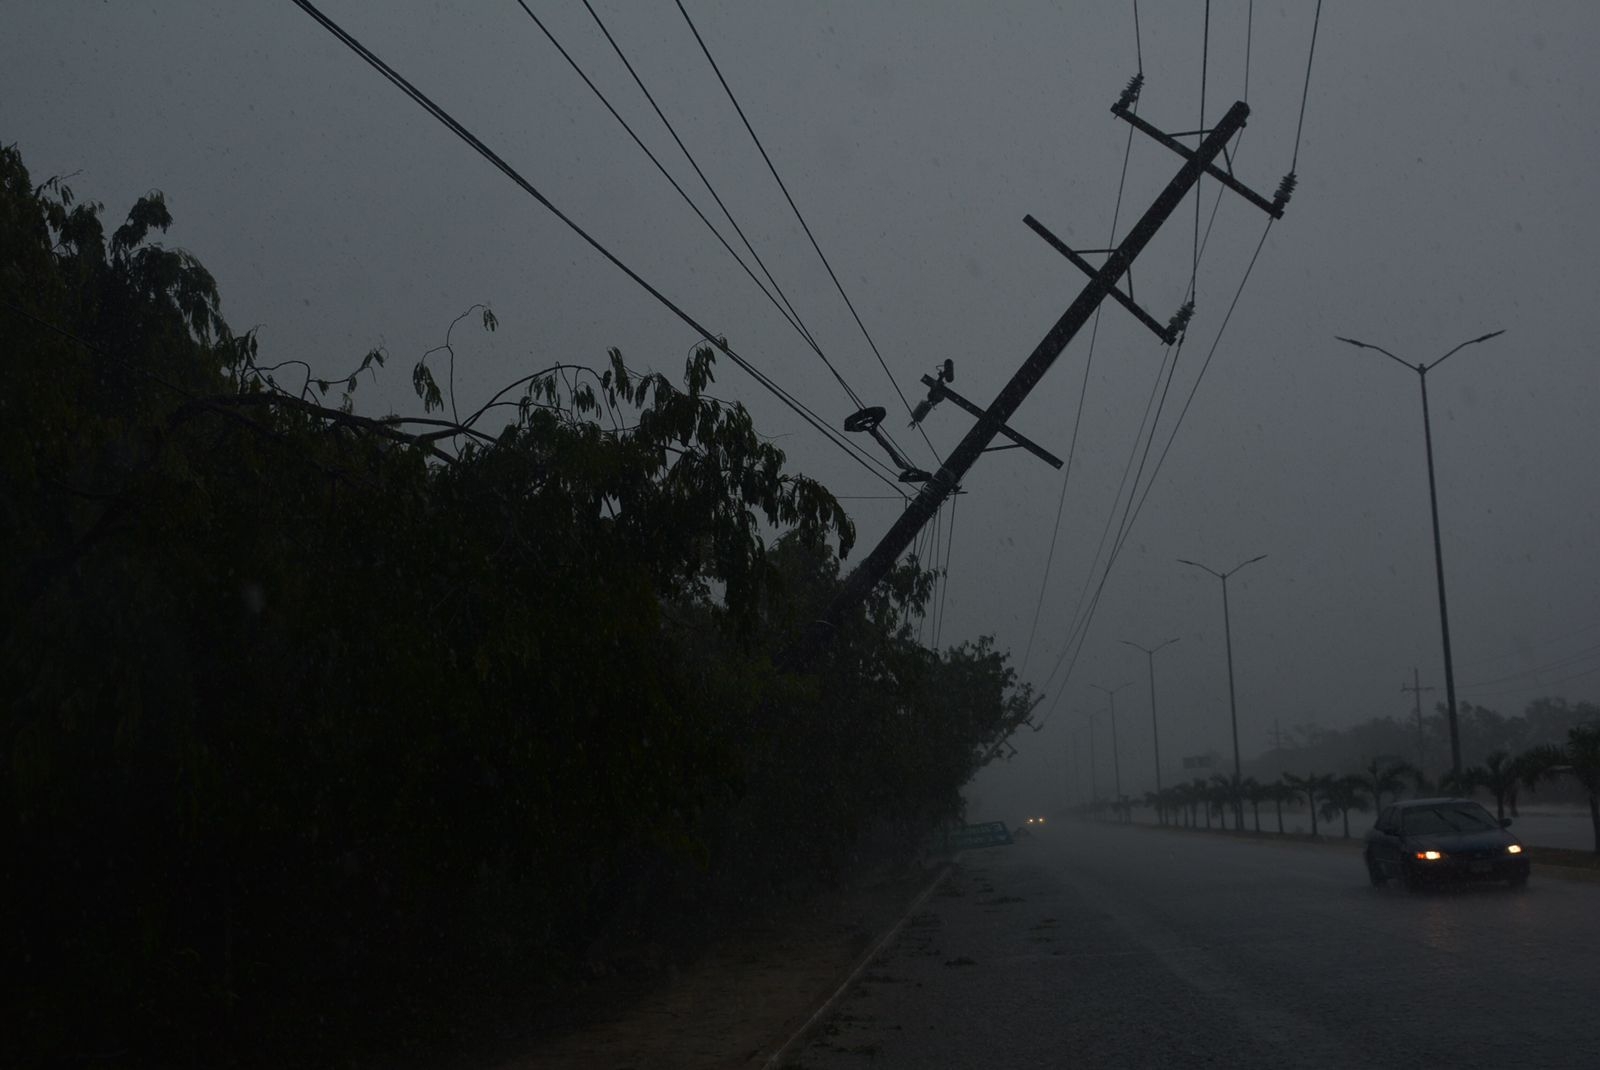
1501,774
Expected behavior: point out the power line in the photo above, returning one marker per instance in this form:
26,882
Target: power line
1587,652
1138,41
1306,90
806,227
1539,686
793,314
787,313
1083,388
1205,59
1131,519
1083,610
472,140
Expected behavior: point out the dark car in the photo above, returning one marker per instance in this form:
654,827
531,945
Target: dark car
1424,841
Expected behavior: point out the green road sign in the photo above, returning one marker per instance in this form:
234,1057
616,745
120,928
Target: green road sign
986,834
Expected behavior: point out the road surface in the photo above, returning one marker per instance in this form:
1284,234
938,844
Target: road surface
1105,946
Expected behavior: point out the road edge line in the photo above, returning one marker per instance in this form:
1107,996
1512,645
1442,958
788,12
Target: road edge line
777,1058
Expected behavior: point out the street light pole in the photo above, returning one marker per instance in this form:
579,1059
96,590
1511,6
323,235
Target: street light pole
1155,727
1116,764
1094,782
1233,705
1422,371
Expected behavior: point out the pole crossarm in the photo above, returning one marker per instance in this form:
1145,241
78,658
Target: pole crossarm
1273,208
939,392
1167,333
880,560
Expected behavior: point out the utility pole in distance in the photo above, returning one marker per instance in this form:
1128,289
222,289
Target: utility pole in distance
1116,763
881,559
1422,371
1416,690
1155,727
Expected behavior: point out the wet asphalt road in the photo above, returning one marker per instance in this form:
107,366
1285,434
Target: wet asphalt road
1099,946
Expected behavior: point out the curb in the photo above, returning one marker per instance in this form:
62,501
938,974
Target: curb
777,1058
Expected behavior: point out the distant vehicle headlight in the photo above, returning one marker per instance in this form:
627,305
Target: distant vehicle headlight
1429,856
1041,821
1514,849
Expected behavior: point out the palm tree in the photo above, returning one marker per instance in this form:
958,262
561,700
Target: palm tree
1201,797
1501,774
1280,793
1579,758
1221,793
1153,802
1343,794
1463,783
1311,786
1388,777
1256,792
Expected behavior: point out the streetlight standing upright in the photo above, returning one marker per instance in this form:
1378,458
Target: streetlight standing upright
1155,728
1094,781
1116,764
1422,371
1233,705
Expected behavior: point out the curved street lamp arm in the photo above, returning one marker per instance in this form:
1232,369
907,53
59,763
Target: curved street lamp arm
1380,349
1151,650
1196,564
1463,345
1242,564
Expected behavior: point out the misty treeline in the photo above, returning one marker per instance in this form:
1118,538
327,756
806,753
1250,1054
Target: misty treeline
1310,748
1551,751
316,724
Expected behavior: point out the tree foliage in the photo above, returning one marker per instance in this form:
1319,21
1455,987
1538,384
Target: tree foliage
311,713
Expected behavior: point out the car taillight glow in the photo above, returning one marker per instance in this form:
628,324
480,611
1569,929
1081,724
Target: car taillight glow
1429,856
1514,849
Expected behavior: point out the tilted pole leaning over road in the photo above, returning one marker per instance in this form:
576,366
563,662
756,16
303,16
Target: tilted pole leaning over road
1422,371
876,565
1233,705
1155,727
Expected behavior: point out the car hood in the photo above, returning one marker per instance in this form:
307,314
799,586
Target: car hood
1485,840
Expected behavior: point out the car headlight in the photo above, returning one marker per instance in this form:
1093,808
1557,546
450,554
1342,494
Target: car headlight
1514,849
1429,856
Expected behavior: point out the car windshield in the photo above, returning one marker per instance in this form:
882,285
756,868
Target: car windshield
1437,820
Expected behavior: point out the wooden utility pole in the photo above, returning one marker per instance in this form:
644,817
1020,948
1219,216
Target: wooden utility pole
877,564
1416,690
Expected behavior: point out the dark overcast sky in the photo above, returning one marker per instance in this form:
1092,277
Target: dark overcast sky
1446,181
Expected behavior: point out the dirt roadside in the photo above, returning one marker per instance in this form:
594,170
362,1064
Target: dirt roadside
743,997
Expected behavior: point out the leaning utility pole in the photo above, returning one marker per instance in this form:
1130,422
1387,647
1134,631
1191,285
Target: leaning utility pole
877,564
1416,690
